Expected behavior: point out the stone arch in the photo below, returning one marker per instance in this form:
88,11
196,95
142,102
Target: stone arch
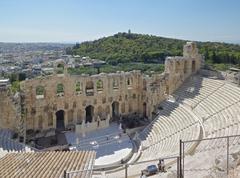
115,110
89,85
99,85
60,124
40,91
115,84
60,88
89,88
129,81
89,113
59,66
78,87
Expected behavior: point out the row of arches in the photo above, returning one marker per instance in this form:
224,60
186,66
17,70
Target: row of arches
89,114
40,90
177,66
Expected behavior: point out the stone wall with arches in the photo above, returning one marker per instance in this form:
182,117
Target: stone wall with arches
109,95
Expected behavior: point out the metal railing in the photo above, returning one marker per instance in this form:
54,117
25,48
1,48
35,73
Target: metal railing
124,168
218,147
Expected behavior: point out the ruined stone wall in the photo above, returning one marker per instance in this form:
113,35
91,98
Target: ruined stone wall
104,96
8,112
99,91
177,70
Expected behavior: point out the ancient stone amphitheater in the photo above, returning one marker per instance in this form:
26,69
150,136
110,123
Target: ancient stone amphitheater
194,114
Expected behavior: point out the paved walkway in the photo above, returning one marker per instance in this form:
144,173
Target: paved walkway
110,144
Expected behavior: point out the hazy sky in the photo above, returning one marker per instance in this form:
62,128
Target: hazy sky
80,20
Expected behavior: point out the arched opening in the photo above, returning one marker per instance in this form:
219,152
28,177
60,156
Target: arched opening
115,110
40,92
144,110
60,68
99,85
89,113
89,88
60,120
193,66
129,81
115,84
78,88
60,89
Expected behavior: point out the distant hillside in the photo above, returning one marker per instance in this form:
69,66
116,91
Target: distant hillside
129,47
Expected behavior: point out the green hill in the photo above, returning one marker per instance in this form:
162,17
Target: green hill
131,48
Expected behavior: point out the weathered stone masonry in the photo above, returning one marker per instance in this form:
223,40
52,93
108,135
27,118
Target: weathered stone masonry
63,100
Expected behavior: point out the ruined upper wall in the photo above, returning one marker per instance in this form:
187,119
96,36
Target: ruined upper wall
179,68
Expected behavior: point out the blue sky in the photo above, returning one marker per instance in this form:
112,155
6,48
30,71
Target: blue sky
81,20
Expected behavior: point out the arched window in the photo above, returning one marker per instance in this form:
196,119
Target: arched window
99,85
115,84
40,92
60,68
89,88
60,89
78,88
129,81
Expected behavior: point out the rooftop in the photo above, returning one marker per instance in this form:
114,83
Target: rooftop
46,164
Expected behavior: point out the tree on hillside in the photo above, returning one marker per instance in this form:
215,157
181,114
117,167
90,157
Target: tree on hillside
130,47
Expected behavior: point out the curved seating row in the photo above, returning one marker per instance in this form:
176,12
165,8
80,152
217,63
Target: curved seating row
217,104
162,137
8,145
